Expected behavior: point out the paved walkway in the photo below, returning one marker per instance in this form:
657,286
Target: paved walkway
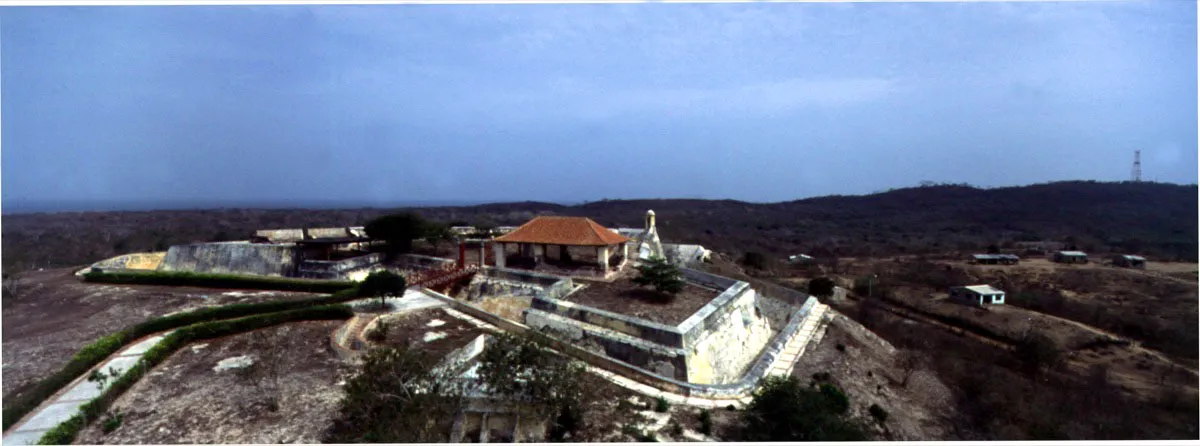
66,403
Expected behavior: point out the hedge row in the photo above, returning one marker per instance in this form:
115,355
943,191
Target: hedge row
65,432
184,278
104,347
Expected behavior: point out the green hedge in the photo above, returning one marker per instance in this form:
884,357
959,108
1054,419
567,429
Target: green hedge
183,278
104,347
65,432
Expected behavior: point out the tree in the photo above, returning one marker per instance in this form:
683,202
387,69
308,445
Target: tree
1038,352
397,396
550,387
993,249
755,260
660,274
382,284
397,230
821,286
436,234
783,410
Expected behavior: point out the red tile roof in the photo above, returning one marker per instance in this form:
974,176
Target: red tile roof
574,231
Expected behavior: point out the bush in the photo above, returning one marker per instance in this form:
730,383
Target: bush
104,347
379,333
821,287
112,421
661,404
878,413
660,274
183,278
706,422
65,432
755,260
783,410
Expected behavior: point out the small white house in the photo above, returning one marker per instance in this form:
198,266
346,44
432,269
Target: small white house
977,295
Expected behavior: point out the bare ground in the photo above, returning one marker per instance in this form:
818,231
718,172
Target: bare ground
185,401
868,371
628,298
431,331
55,314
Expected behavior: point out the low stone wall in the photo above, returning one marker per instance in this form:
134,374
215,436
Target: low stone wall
640,328
420,261
707,280
232,258
137,261
662,360
280,235
340,269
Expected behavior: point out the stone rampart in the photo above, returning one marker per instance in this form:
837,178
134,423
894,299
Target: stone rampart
662,360
340,269
232,258
135,261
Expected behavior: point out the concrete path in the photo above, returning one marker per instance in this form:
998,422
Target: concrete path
809,334
66,403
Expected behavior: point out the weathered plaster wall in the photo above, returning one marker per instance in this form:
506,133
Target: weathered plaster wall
342,269
660,359
144,260
232,258
730,341
639,328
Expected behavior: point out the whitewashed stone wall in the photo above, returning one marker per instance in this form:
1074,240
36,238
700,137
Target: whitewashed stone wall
724,352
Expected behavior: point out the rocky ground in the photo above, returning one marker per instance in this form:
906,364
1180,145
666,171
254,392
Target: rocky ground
201,394
54,314
872,372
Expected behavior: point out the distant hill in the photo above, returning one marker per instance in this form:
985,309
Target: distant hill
1154,219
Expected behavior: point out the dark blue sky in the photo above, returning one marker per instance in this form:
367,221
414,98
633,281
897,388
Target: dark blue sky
758,102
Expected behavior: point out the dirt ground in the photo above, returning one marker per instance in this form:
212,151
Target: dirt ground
625,297
55,314
184,400
432,331
870,373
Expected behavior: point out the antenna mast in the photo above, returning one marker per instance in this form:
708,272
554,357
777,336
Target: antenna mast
1137,166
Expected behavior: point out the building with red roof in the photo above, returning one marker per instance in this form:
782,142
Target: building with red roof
560,240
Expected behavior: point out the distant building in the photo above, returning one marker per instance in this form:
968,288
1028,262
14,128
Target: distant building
503,229
463,230
994,259
977,295
1129,261
800,258
1070,257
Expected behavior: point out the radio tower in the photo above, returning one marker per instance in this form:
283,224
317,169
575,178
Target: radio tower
1137,166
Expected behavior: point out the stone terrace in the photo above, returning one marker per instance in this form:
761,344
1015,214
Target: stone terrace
623,296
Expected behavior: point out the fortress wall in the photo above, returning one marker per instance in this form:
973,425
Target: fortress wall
729,341
660,359
232,258
138,261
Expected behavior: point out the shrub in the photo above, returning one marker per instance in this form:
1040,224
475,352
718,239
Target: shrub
878,413
706,422
821,287
112,421
755,260
661,404
379,333
660,274
783,410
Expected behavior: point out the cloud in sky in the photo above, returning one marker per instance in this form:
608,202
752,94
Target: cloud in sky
758,102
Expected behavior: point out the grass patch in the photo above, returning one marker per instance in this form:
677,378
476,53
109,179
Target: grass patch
65,432
104,347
